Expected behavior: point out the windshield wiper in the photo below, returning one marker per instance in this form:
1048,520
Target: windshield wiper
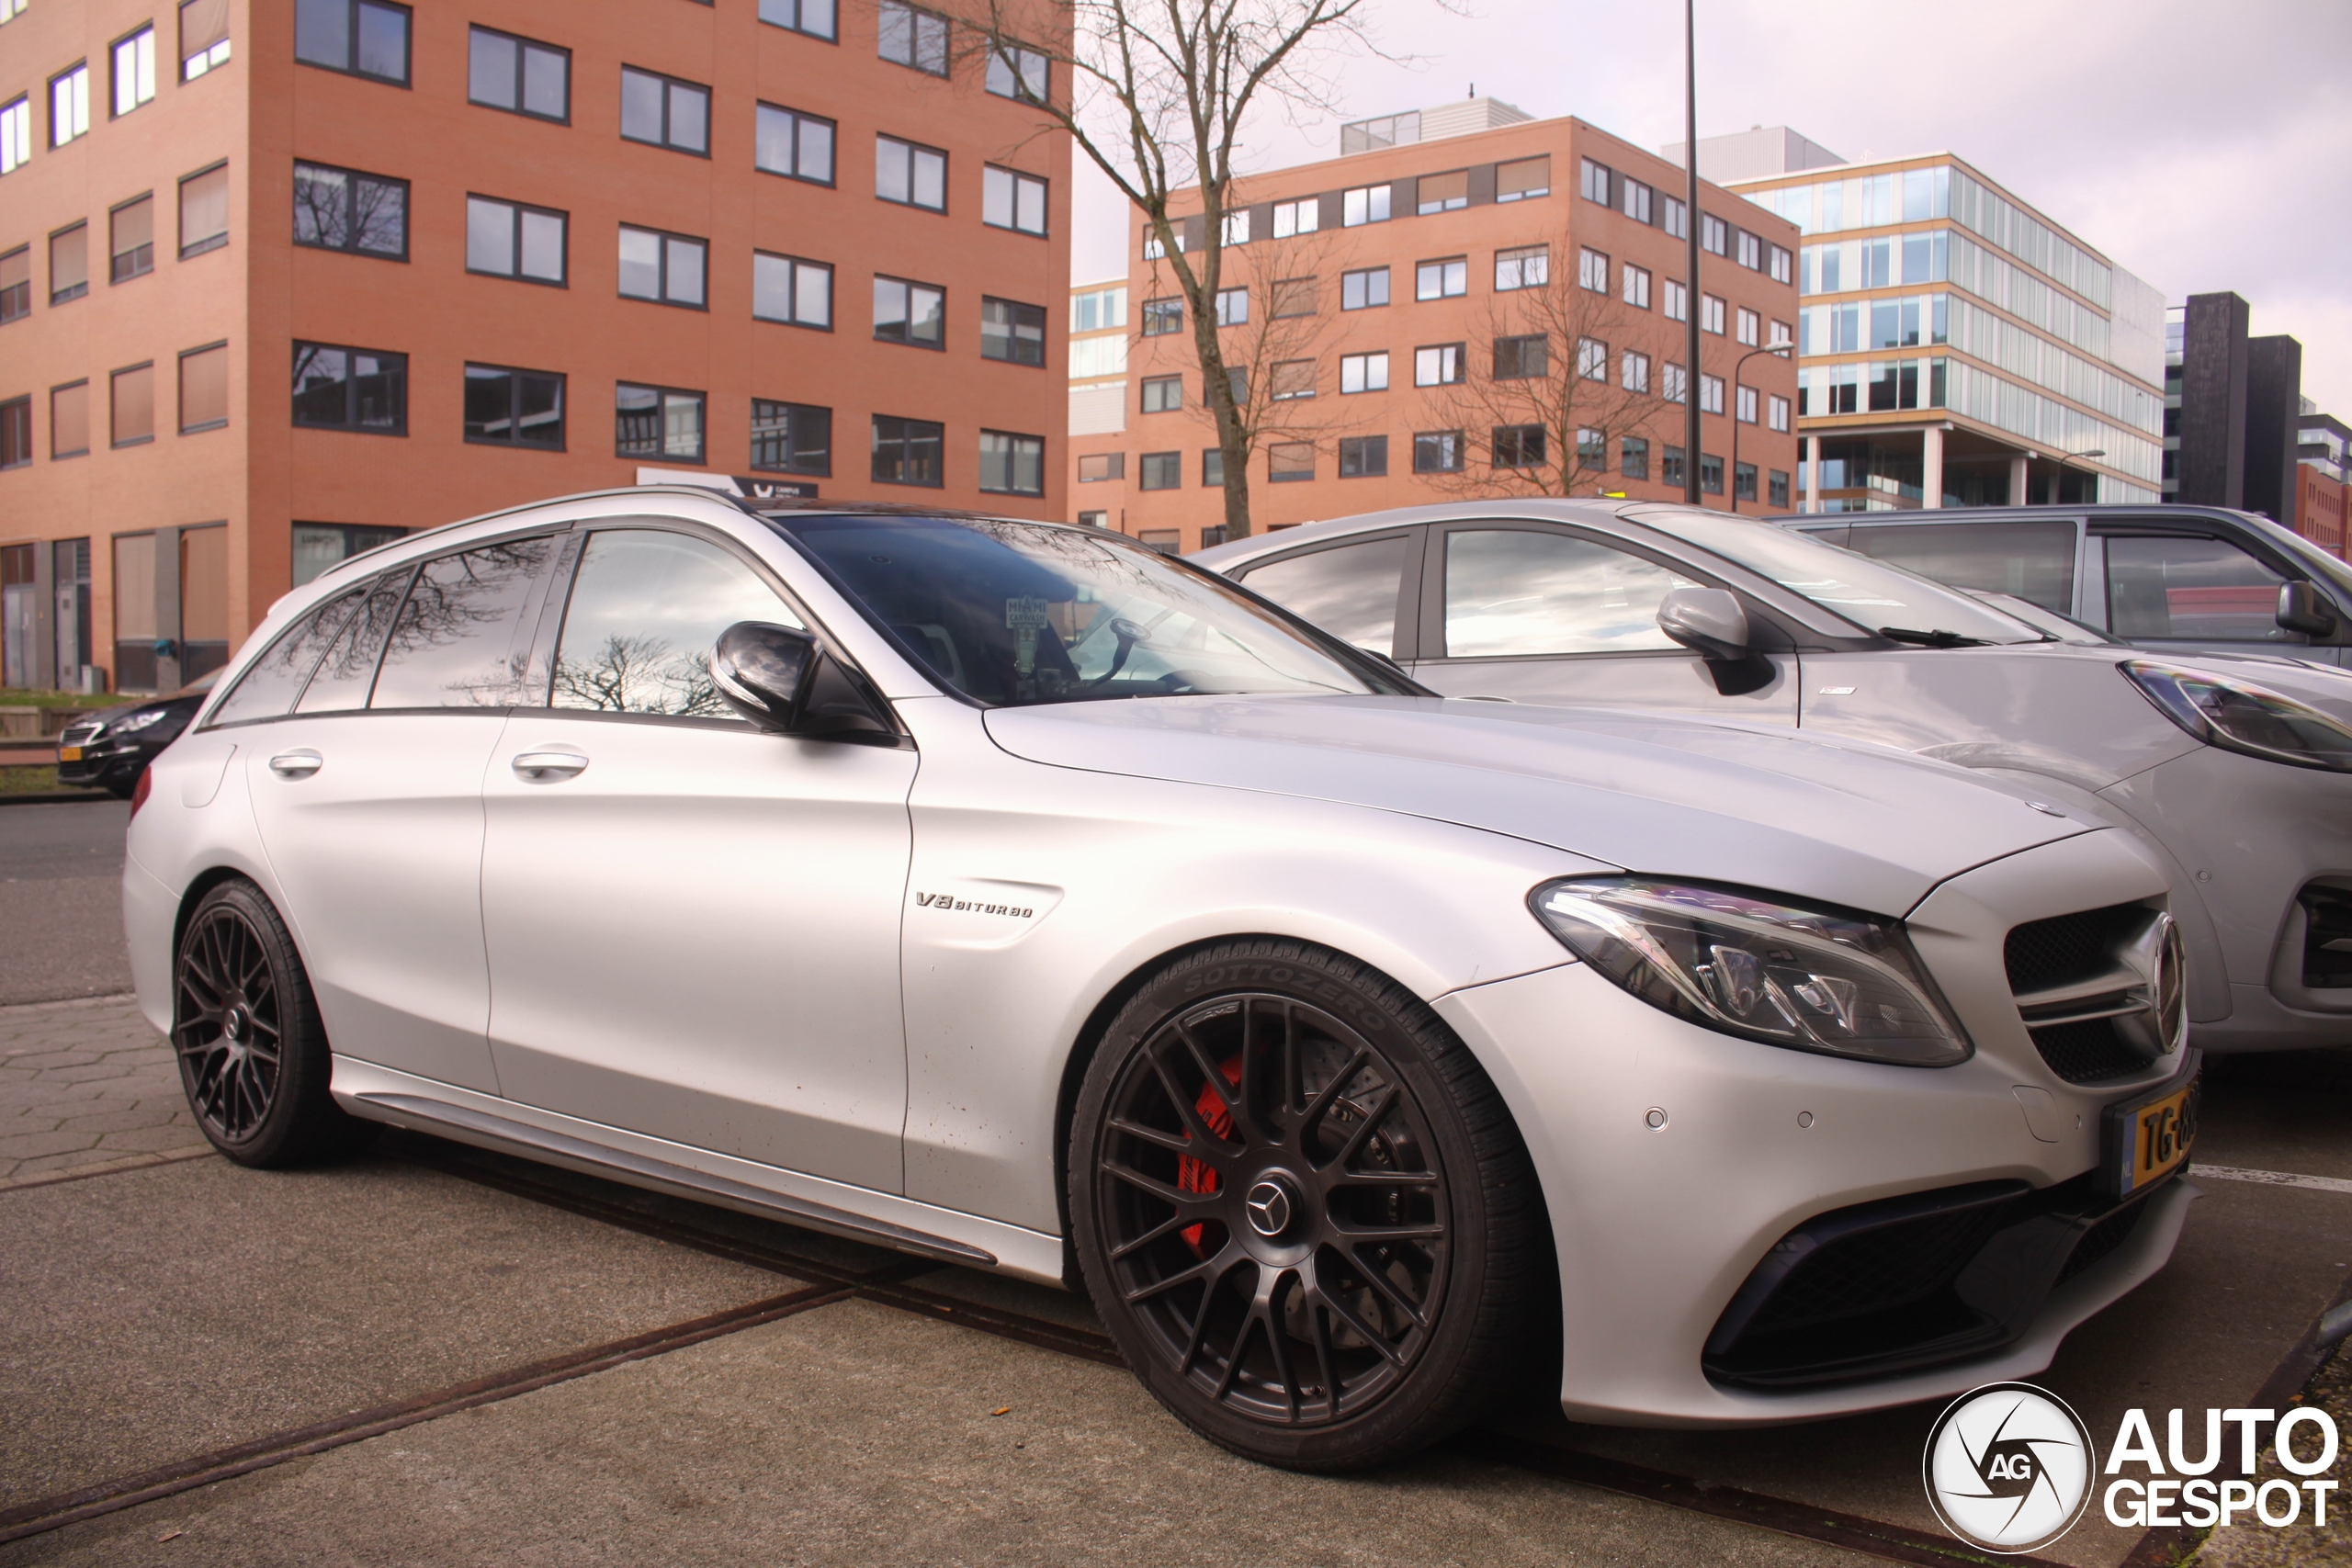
1937,638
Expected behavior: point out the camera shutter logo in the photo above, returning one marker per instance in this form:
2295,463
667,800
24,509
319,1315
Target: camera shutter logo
2010,1467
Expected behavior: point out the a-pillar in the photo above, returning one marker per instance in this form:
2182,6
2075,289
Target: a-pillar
2017,480
1931,466
1812,473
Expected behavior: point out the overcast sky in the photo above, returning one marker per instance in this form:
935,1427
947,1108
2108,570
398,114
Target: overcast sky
2203,147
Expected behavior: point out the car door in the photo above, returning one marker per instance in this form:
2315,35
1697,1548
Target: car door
1541,612
1361,590
2035,560
693,925
368,798
2187,590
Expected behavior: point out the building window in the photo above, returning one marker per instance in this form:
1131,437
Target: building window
1784,268
17,284
1213,476
364,38
350,389
1633,197
204,389
15,135
1161,470
130,239
1011,332
1294,218
1743,481
505,407
1777,490
1711,314
1711,474
1442,279
1751,327
1752,257
1592,271
1777,407
1094,520
69,420
1163,394
1018,72
1592,451
1167,541
814,18
1782,335
797,146
1437,452
656,422
1364,372
1528,267
1097,466
1678,301
16,432
913,314
1289,462
69,264
668,269
1365,204
1523,358
1523,179
1633,371
519,75
909,174
1161,316
1669,467
788,290
69,105
1438,365
1363,291
131,396
204,36
1232,306
913,37
1711,394
1013,464
1364,457
1672,384
343,209
1518,446
204,211
1636,281
1678,218
663,111
791,438
906,451
1153,249
1098,310
1746,405
134,70
1292,379
506,240
1595,182
1633,457
1237,227
1012,200
1714,234
1290,297
1442,193
1592,360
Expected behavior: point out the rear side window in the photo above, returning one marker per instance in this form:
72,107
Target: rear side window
349,667
268,689
2190,590
455,642
645,609
1350,591
1516,591
2035,561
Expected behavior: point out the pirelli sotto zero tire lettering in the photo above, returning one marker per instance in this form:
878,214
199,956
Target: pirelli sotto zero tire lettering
1301,1208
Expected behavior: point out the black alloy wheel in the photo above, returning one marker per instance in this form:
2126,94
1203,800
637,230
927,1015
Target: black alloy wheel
252,1056
1301,1208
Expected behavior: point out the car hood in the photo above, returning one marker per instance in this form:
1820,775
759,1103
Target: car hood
1843,822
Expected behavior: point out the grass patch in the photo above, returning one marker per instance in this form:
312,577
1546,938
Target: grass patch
29,697
34,780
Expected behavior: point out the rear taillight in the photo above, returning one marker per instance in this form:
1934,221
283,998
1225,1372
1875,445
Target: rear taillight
139,790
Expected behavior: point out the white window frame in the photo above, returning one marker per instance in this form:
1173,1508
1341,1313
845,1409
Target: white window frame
15,133
134,80
71,89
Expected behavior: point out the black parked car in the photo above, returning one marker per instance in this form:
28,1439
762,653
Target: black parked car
110,750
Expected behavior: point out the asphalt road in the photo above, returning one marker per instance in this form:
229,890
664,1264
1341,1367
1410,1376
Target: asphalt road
60,901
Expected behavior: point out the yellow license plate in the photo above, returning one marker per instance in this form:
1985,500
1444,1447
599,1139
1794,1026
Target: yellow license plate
69,753
2148,1139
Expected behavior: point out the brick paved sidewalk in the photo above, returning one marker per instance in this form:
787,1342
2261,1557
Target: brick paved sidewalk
86,1084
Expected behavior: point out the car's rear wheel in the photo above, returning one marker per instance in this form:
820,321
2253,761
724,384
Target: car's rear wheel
251,1052
1301,1208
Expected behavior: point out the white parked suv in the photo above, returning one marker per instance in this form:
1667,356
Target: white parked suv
1015,896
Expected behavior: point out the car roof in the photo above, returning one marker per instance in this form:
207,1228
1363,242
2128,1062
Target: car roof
1218,557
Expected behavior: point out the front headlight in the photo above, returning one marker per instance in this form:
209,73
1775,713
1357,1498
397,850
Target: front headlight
1842,983
2237,716
132,723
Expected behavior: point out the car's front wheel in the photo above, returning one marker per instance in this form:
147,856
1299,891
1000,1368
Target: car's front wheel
1301,1208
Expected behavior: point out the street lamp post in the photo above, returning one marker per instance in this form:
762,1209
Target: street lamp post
2094,452
1776,350
1690,220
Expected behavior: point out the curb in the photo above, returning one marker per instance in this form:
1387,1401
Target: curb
55,797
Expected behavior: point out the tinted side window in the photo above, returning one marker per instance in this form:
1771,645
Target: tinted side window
268,689
645,609
1514,591
1350,591
2034,561
349,668
451,646
2190,589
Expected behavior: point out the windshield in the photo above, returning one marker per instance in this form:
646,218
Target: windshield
1871,593
1013,614
2066,628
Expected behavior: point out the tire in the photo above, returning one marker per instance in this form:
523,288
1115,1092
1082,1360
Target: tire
1327,1256
252,1055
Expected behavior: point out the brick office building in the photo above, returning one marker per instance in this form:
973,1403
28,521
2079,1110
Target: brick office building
279,278
1382,303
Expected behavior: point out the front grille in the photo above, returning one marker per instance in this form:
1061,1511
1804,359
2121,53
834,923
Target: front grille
2068,950
80,734
2086,1052
2327,937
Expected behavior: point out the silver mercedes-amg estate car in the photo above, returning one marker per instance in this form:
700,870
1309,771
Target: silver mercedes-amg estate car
1016,897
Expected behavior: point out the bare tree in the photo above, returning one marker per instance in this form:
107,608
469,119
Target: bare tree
1560,371
1159,92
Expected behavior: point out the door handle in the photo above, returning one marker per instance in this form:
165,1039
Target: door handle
549,766
299,764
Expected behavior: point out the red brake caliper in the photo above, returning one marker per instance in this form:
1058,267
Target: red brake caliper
1194,1176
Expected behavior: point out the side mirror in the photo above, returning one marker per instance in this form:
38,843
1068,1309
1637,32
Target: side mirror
782,681
2301,608
1708,621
